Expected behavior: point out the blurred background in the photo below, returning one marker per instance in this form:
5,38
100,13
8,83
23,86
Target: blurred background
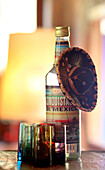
27,45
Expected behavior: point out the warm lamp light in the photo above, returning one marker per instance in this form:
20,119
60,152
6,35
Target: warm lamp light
4,43
23,83
16,16
102,26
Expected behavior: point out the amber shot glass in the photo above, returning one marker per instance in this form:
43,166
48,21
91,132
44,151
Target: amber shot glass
44,145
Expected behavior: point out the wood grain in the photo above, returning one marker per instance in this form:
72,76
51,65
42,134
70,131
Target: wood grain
87,161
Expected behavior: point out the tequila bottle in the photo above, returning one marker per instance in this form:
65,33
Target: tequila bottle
59,109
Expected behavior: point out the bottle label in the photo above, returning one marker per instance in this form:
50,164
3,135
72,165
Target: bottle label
60,110
60,46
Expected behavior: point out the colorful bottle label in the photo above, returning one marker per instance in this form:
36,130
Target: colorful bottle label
60,110
60,46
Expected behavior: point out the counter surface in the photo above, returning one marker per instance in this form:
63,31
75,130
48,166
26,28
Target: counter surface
88,160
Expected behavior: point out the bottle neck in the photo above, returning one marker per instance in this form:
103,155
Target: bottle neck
62,43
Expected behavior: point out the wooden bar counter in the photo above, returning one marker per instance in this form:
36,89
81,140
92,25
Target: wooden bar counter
89,160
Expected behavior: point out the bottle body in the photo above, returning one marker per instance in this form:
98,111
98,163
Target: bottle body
59,109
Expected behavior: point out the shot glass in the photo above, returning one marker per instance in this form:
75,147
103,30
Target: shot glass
44,146
25,142
60,144
20,142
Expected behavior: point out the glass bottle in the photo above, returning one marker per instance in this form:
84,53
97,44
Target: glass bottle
59,109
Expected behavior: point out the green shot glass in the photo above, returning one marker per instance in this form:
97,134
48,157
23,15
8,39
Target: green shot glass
25,142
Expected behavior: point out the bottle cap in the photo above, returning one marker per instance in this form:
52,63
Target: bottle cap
62,31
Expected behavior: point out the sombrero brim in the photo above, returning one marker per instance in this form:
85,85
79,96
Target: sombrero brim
77,78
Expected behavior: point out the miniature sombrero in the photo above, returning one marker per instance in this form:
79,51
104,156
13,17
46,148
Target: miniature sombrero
77,78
